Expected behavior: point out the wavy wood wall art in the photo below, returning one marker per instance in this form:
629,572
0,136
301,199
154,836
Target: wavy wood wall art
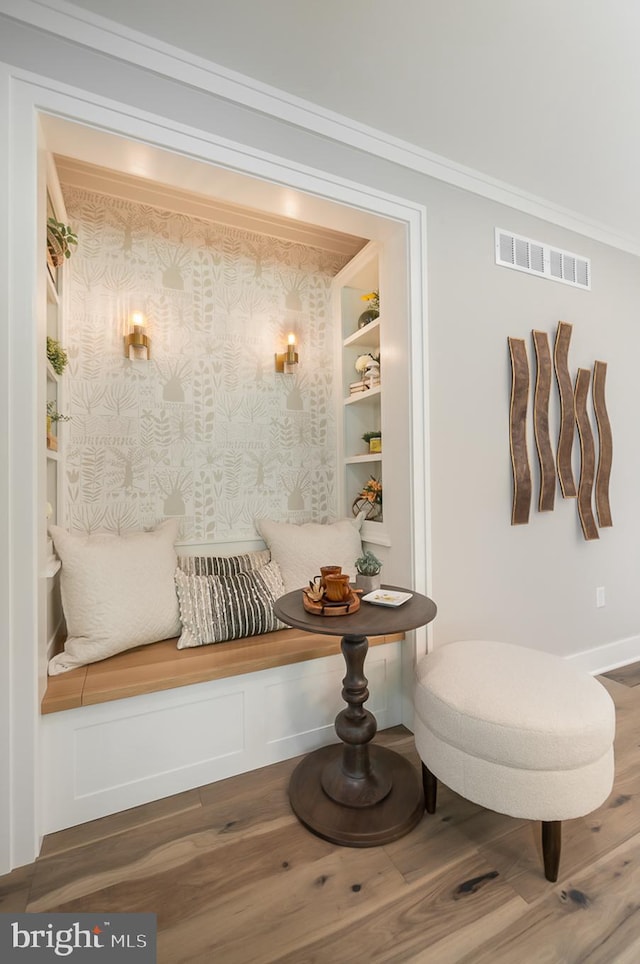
546,457
518,432
567,410
605,453
587,456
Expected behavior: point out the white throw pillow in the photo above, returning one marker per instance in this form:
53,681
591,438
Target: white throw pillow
117,592
301,550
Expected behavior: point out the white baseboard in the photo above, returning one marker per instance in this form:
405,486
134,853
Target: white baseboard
608,657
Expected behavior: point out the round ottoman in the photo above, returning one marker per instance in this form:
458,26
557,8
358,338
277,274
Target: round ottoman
515,730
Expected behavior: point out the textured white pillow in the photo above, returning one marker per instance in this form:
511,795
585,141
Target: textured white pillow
117,592
301,550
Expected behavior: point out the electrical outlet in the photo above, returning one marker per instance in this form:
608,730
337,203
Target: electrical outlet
600,599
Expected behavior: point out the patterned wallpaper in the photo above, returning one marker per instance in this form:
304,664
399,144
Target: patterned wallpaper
206,431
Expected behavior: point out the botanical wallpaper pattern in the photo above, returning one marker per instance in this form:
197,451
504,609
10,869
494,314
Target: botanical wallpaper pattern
206,431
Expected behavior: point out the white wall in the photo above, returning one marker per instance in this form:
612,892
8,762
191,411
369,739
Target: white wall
533,584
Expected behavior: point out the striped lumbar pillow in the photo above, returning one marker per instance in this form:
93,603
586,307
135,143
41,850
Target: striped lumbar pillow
217,608
223,565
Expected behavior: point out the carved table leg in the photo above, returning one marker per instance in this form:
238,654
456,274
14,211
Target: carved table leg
353,779
353,793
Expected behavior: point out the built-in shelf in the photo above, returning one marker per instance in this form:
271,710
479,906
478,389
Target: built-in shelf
370,457
363,396
366,337
53,566
51,374
375,533
52,293
362,410
53,455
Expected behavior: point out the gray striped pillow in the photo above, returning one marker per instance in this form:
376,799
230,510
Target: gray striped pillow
217,608
224,565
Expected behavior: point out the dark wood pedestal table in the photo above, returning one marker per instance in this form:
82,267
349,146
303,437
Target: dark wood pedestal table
354,793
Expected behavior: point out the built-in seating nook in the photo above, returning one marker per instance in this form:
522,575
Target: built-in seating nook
213,378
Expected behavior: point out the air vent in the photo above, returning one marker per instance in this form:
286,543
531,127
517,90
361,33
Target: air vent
534,257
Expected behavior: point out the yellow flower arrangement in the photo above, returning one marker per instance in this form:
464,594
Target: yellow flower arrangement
373,297
372,491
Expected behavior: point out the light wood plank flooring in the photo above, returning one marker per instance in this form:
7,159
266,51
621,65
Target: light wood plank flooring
235,879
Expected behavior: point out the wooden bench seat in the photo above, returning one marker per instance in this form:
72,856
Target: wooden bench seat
161,666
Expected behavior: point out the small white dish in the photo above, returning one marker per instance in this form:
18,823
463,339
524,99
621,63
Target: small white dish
387,597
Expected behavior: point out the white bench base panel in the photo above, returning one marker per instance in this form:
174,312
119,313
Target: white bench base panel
105,758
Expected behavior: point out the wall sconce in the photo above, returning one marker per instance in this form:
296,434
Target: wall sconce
137,345
287,362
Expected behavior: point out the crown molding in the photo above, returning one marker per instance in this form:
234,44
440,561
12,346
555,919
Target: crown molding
104,35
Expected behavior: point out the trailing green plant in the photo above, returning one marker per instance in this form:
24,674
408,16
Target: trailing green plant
367,564
56,355
55,415
60,237
369,435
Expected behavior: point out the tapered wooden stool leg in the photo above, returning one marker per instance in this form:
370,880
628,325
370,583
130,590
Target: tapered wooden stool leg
551,844
430,785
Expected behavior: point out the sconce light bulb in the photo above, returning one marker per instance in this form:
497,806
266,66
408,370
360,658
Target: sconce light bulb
137,344
287,362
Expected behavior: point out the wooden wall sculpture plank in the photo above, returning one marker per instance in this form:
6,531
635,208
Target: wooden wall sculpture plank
588,456
567,410
605,456
541,422
518,432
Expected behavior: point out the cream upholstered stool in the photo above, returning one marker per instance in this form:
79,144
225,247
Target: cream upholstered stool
515,730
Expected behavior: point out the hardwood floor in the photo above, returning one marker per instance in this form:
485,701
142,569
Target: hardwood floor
235,879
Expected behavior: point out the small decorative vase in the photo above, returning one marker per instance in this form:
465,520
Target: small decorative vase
372,374
372,510
367,583
369,315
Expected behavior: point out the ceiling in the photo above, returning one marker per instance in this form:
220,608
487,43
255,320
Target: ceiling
543,96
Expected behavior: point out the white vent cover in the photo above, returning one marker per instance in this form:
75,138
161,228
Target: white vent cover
534,257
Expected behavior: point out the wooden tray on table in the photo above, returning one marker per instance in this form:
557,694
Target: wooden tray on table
325,607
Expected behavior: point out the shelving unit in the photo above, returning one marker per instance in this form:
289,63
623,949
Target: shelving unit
51,323
55,383
364,411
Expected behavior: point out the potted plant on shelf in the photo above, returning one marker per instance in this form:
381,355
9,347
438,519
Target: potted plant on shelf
368,569
56,355
373,440
53,415
60,237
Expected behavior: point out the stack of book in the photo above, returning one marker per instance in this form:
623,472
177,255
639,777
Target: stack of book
356,387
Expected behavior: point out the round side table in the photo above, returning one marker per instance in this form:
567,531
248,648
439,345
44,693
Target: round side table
354,793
